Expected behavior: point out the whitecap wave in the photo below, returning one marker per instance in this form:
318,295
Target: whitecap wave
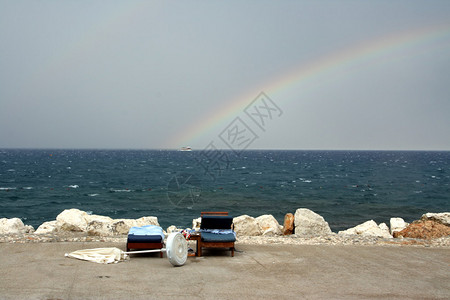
74,186
120,190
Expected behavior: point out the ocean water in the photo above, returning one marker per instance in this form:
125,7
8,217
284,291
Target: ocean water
345,187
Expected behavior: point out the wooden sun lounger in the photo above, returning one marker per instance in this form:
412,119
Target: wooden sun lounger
145,242
216,220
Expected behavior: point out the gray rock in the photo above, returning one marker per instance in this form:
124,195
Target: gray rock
397,224
246,225
309,223
369,228
173,228
47,228
78,220
147,221
14,226
100,227
105,226
383,227
268,225
443,218
72,220
196,223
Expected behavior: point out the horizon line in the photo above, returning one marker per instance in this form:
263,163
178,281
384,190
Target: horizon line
221,149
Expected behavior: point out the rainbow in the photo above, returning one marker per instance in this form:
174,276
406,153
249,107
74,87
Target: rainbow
353,57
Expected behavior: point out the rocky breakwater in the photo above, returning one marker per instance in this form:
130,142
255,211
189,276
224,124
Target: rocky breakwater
73,224
75,220
302,227
308,227
304,223
430,226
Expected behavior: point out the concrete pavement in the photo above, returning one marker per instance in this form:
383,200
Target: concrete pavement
40,271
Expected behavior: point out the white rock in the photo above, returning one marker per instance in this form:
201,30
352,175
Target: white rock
443,218
397,224
29,229
196,223
100,226
47,228
147,221
309,223
385,228
98,218
172,228
72,220
268,225
369,228
246,225
77,220
270,232
105,226
122,226
14,226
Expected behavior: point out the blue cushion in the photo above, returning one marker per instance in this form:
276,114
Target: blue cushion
146,230
216,222
132,238
221,238
145,234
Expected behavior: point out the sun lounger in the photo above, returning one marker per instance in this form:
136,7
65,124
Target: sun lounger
216,231
145,238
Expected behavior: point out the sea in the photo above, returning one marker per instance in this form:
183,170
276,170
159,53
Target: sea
347,188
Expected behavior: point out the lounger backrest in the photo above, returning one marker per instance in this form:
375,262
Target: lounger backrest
214,213
216,222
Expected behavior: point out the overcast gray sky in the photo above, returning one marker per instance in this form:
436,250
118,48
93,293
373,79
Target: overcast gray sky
163,74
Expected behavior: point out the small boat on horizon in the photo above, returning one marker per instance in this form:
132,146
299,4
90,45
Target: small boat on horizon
186,148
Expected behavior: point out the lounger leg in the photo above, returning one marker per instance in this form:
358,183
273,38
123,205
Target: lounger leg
197,247
232,252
